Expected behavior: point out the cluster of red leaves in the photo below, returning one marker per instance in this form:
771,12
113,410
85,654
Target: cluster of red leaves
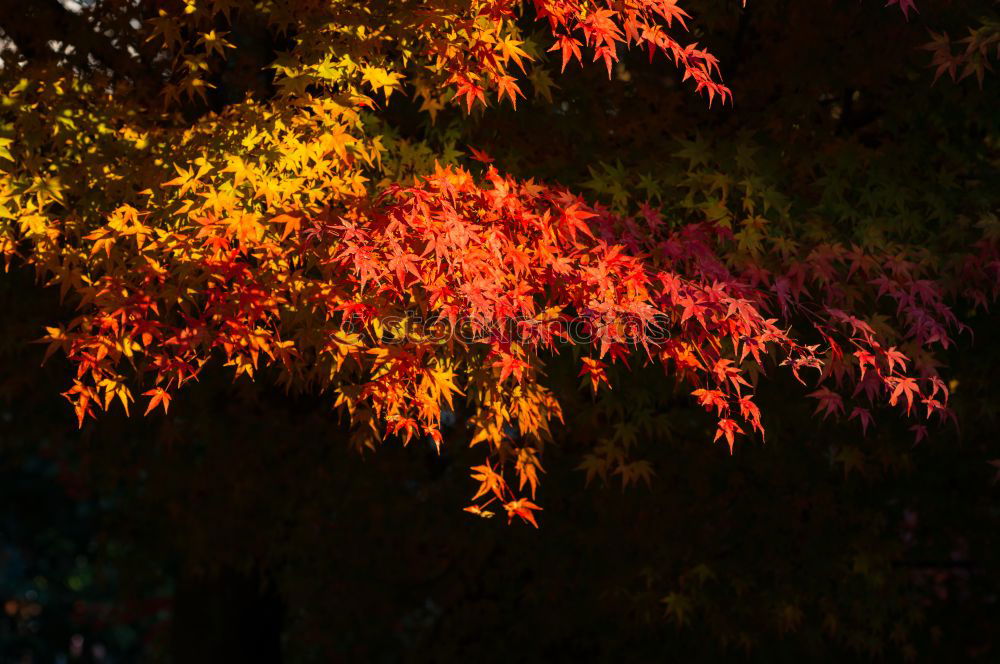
609,23
327,299
599,25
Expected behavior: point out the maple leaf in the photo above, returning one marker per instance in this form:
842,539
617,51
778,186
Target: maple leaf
596,371
479,155
712,399
864,416
522,508
472,92
830,403
527,468
380,79
865,360
82,397
635,472
490,481
507,86
158,396
574,217
751,413
511,365
511,50
401,263
186,179
214,42
57,340
728,428
894,357
678,607
570,48
595,466
292,224
906,387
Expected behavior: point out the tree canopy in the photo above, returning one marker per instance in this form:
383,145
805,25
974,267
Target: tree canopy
522,234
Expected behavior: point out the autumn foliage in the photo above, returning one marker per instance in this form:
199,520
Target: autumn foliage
270,235
503,226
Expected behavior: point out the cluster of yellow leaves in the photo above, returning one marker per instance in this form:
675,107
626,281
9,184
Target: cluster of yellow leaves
464,52
201,251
